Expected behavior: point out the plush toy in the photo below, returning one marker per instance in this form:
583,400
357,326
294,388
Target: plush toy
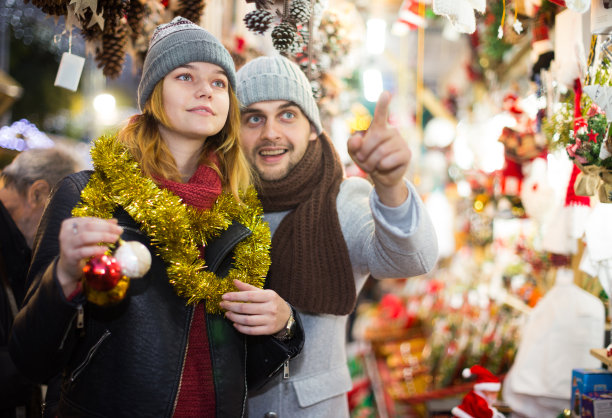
478,403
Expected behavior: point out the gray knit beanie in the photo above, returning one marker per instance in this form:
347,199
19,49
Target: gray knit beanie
177,43
277,78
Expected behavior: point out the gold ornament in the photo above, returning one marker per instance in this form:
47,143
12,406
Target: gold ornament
177,231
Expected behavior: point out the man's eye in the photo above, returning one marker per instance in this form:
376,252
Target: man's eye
254,119
288,115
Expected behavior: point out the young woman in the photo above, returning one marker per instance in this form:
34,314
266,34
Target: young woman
175,180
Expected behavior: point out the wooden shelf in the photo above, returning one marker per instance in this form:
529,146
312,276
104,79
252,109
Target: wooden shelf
601,355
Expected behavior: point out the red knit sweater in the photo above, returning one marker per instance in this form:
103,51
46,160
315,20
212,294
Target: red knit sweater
196,396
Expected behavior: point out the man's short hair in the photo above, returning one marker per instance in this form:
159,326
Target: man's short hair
49,164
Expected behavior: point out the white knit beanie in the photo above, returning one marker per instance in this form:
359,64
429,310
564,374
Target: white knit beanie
277,78
177,43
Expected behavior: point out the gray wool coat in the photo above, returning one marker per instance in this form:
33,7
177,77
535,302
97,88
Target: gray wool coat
386,242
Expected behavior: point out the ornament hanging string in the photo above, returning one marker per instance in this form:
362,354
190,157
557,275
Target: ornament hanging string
587,77
500,31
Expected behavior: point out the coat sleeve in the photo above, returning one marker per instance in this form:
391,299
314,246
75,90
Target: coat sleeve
383,241
44,329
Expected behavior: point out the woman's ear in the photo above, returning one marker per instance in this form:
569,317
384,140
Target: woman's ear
38,193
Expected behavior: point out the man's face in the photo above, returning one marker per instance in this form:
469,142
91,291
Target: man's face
25,213
275,135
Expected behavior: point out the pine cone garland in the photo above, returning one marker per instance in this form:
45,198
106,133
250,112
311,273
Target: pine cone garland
135,16
299,11
112,55
283,36
51,7
191,10
258,21
113,12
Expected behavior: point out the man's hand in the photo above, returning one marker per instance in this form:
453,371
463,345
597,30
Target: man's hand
255,311
383,154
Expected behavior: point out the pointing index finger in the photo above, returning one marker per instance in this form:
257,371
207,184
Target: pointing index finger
381,112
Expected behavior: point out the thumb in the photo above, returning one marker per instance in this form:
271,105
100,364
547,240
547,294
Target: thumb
354,142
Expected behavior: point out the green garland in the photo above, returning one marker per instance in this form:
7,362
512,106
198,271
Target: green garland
177,231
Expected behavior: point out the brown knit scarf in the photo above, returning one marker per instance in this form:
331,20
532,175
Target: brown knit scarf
310,268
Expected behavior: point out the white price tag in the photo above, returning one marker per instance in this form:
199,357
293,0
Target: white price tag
69,72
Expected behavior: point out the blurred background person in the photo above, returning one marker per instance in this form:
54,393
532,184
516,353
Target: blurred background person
25,186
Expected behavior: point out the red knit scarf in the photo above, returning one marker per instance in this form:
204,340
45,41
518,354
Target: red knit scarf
311,268
201,191
196,397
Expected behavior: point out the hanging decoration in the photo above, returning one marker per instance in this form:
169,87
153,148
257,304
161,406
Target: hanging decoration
582,128
460,12
114,28
290,34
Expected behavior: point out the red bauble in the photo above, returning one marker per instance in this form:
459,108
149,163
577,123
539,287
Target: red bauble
102,272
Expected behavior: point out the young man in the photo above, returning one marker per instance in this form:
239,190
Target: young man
329,233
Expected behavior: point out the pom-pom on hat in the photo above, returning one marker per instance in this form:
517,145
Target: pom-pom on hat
277,78
485,380
177,43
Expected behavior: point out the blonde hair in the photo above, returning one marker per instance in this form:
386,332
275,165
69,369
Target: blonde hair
142,138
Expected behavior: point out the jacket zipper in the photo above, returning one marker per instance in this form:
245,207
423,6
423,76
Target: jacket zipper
76,372
183,365
79,315
68,328
246,386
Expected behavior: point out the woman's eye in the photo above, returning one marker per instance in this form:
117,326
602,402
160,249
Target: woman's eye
219,83
184,77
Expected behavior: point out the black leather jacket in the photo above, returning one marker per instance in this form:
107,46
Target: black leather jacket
124,360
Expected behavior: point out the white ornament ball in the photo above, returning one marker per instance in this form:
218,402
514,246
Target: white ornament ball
134,258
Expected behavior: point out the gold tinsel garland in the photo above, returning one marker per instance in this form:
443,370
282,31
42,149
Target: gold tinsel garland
176,230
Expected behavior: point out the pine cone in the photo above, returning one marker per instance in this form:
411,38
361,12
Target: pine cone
258,21
113,11
283,36
191,10
112,55
135,16
299,11
52,7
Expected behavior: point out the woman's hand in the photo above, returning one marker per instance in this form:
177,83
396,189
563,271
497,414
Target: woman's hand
80,239
255,311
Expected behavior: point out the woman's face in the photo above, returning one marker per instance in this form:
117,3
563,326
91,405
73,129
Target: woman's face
196,101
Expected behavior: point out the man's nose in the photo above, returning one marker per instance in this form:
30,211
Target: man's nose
271,130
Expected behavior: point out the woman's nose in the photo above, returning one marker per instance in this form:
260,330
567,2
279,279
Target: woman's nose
203,89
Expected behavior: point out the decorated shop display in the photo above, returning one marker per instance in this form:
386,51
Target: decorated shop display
581,126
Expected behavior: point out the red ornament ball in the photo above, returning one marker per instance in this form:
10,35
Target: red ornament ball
102,272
